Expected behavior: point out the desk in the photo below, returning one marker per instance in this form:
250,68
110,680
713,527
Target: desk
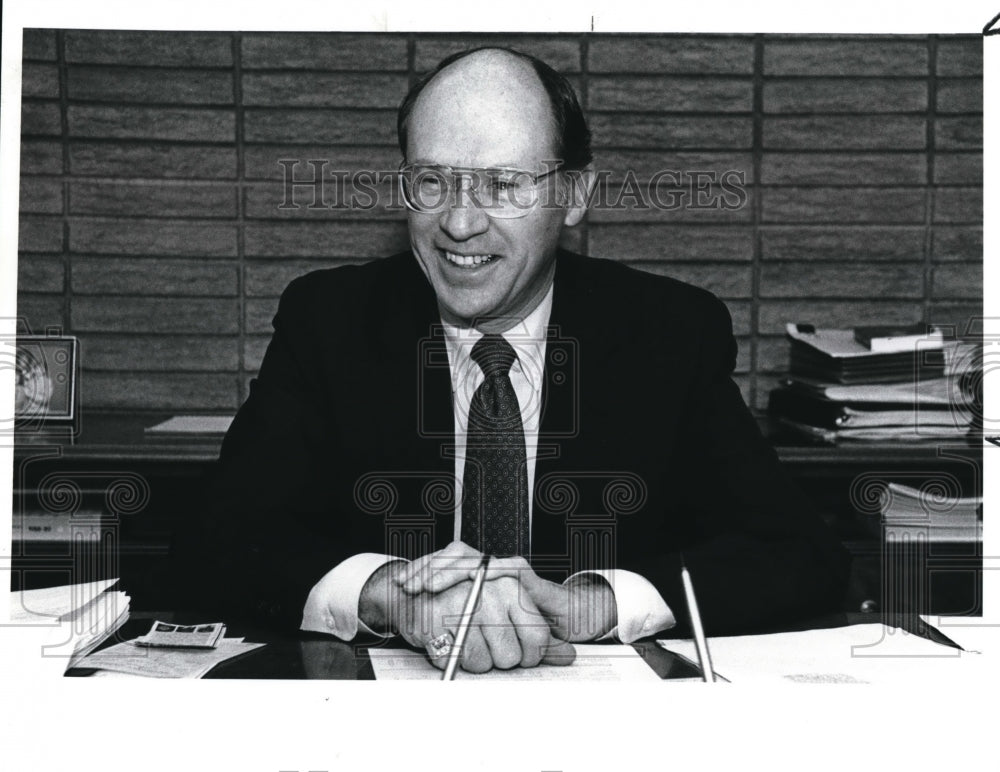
306,656
297,656
132,488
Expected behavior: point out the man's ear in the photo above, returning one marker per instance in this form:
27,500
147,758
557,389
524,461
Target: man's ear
579,185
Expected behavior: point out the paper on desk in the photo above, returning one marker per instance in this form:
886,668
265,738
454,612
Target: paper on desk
168,635
90,626
593,662
869,653
46,605
193,424
62,624
165,663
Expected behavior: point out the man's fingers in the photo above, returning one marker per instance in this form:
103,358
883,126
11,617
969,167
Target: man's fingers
494,628
438,571
559,652
413,578
443,575
549,598
413,571
475,653
515,568
440,575
533,636
531,628
503,643
410,577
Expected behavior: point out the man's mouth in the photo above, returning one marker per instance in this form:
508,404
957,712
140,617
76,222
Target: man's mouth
467,261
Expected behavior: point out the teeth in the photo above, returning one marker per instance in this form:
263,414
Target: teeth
468,260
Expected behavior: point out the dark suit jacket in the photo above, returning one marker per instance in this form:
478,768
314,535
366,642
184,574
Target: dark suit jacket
646,449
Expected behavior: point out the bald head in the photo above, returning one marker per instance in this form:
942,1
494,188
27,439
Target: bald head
516,95
487,109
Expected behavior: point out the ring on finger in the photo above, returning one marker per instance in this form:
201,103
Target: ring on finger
441,645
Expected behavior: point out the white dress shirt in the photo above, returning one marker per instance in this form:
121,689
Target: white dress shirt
332,605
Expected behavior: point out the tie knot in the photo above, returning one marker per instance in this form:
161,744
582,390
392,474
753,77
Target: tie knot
494,355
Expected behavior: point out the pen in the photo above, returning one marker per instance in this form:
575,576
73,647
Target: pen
466,621
704,658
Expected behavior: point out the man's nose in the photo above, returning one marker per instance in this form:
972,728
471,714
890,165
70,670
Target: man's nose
464,219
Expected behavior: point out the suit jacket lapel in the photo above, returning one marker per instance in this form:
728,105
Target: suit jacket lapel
578,336
416,423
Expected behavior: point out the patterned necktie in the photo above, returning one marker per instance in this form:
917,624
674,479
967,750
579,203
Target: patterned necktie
495,482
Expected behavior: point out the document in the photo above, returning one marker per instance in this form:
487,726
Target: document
942,392
47,605
128,658
67,622
868,653
193,425
594,662
165,634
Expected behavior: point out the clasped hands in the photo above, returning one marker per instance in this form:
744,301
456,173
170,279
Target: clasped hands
521,619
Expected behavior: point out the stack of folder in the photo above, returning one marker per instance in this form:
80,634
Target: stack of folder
845,385
909,514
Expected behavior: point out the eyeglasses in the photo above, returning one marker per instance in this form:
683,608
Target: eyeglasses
498,191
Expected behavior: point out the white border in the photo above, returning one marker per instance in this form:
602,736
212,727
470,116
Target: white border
78,725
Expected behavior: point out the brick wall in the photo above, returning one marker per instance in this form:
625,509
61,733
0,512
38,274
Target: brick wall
150,187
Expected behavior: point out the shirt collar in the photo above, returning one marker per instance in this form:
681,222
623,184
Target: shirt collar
527,338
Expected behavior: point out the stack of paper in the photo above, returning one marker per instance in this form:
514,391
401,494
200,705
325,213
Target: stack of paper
77,618
798,404
839,389
940,392
834,355
908,513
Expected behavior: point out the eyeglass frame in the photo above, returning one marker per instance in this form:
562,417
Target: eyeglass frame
451,173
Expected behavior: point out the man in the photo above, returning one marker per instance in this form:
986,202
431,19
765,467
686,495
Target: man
489,392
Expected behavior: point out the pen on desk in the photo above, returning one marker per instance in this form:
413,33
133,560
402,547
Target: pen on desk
466,621
700,643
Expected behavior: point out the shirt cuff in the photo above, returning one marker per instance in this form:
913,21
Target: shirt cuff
332,605
640,607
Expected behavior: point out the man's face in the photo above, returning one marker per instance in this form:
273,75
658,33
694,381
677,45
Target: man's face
487,110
